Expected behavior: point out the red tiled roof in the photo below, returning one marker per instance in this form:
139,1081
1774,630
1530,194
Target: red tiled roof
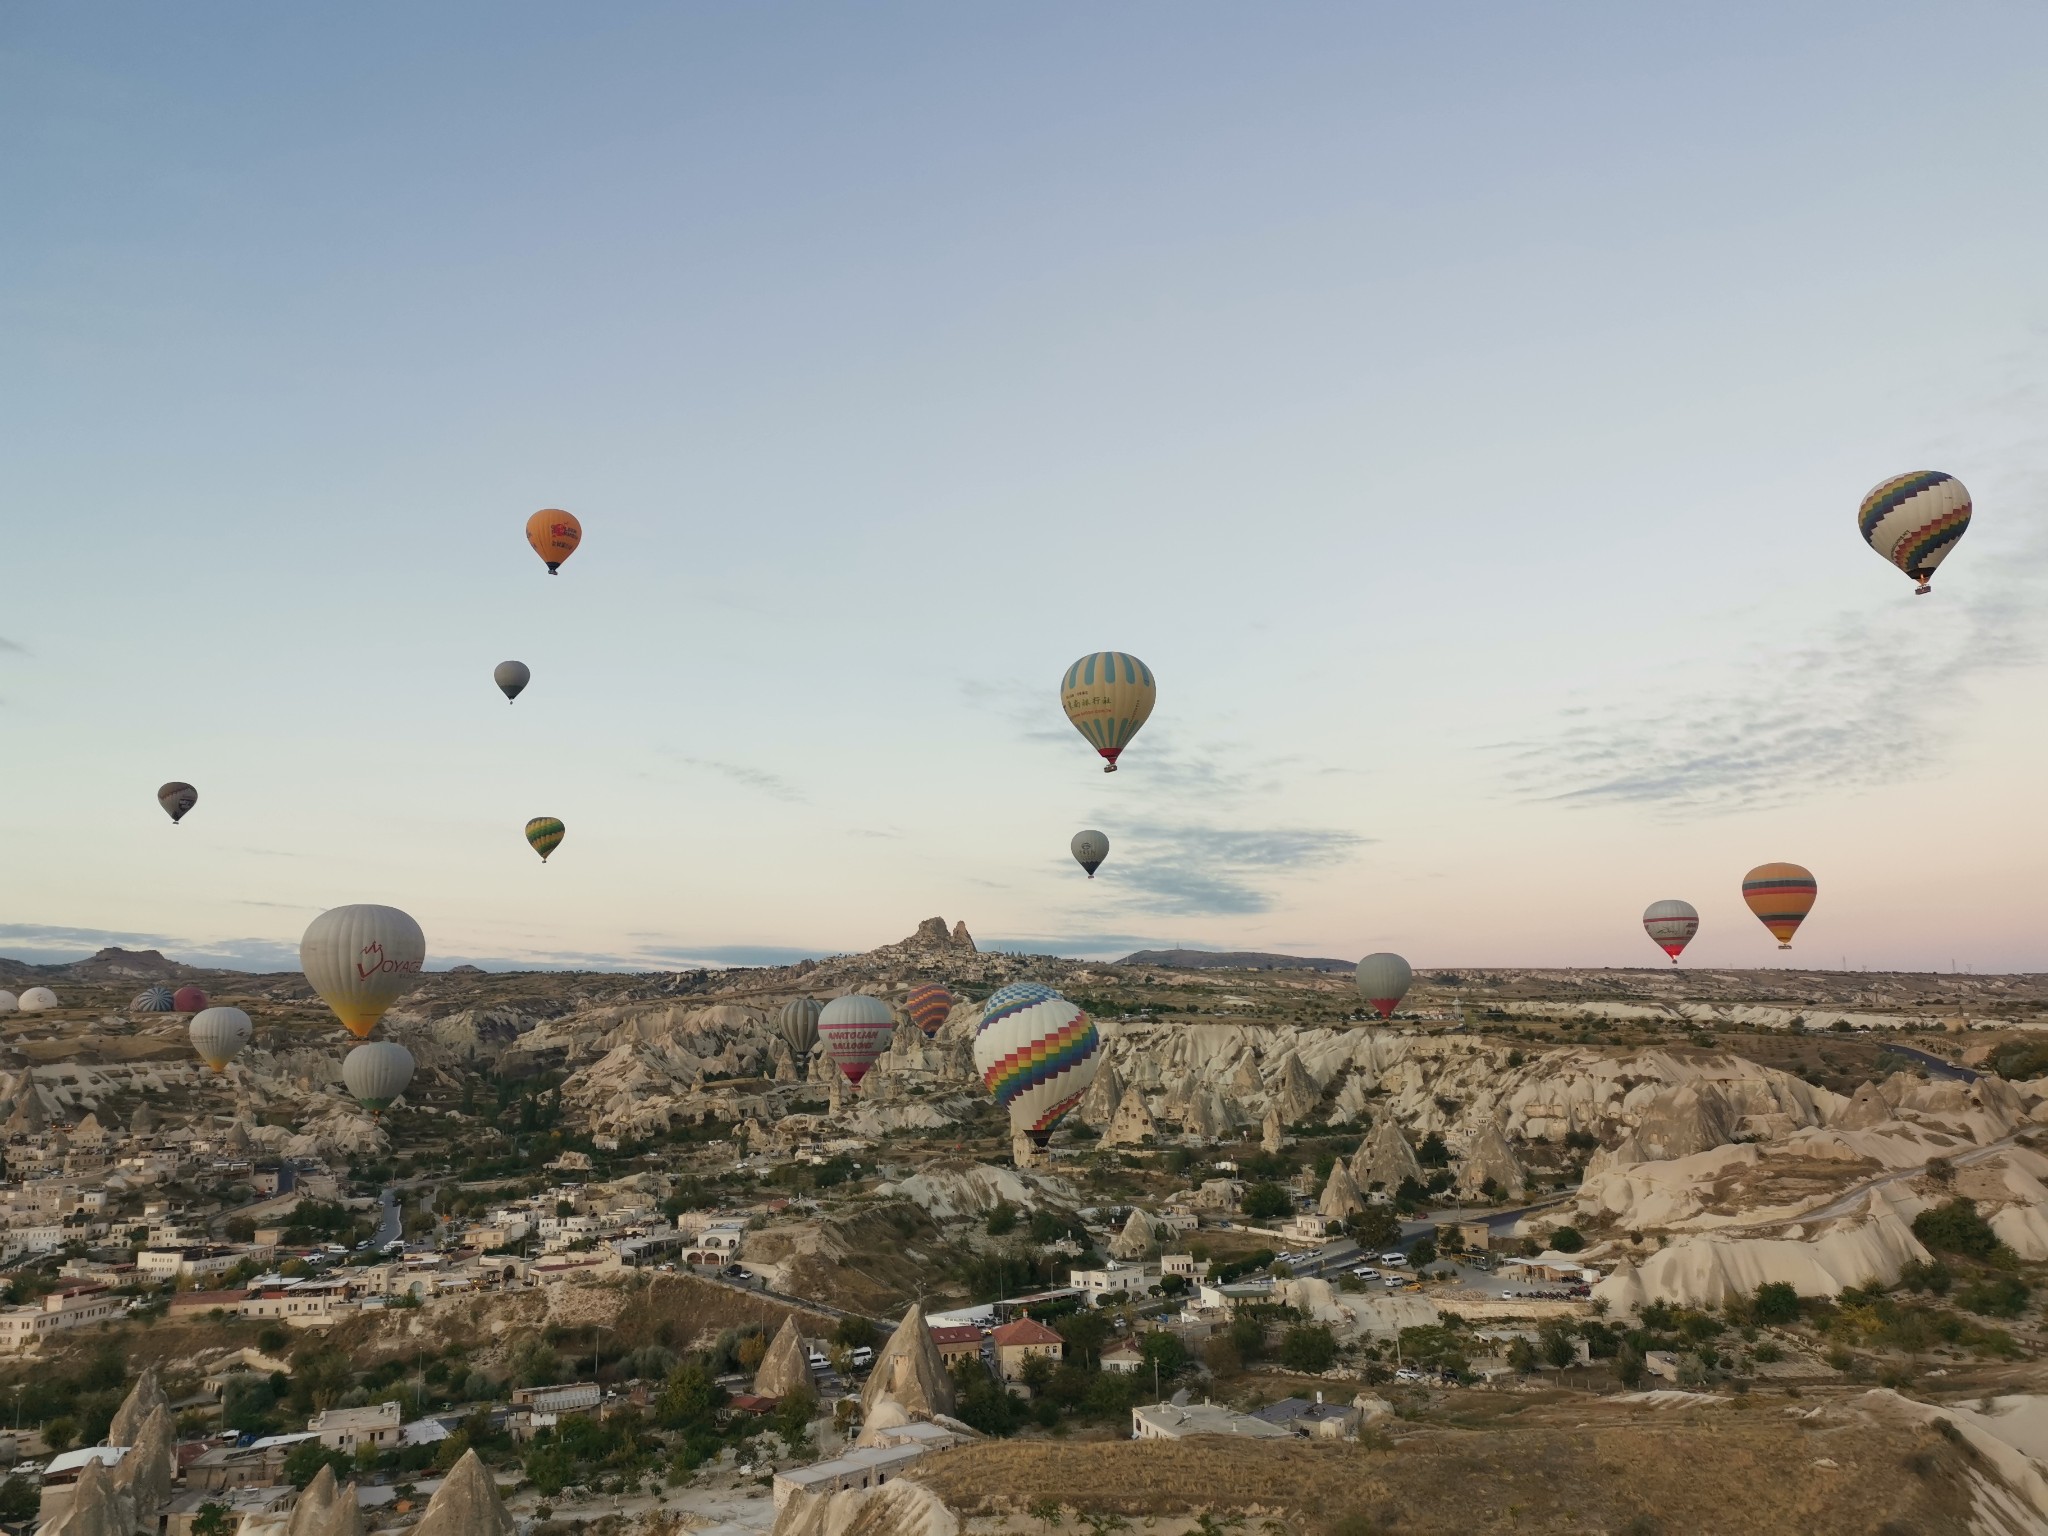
966,1334
1026,1330
748,1402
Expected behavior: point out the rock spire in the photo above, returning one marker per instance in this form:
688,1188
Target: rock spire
909,1371
786,1367
467,1504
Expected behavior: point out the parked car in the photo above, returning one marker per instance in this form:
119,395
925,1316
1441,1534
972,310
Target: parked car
1393,1282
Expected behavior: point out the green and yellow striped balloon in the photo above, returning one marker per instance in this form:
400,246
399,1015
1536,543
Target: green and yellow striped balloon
545,833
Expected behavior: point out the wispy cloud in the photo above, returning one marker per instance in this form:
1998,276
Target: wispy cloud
13,647
1857,700
753,778
1221,871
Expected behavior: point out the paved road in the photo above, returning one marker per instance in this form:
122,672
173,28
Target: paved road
389,1227
1842,1205
1940,1066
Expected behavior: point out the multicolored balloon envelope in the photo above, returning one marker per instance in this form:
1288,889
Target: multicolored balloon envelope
1108,696
218,1035
554,535
797,1023
1089,850
1780,895
1915,520
188,1000
511,678
546,834
1671,925
377,1072
856,1029
154,1000
177,798
1037,1052
928,1007
361,959
1383,980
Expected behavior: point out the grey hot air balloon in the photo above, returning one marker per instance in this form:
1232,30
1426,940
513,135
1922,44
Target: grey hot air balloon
1383,980
512,678
376,1072
177,798
218,1035
797,1023
1090,849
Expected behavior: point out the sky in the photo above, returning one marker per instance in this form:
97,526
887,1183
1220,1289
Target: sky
1463,410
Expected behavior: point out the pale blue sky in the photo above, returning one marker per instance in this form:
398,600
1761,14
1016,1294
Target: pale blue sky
1464,414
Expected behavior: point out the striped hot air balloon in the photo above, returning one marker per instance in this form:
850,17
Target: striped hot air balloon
797,1022
1037,1053
546,834
1915,520
1780,895
1108,696
1383,980
856,1029
218,1035
928,1007
157,999
377,1072
1671,925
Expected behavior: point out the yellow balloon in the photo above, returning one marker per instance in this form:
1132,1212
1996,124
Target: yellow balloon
1108,696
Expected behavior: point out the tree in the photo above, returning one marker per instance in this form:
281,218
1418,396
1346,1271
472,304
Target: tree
792,1418
1628,1365
59,1433
239,1229
1521,1356
690,1396
303,1462
214,1520
1035,1372
19,1499
1002,1221
1309,1349
1164,1351
1559,1350
1957,1228
1266,1202
1085,1333
1422,1253
1777,1303
1567,1239
854,1332
1941,1171
1375,1227
1248,1336
1433,1153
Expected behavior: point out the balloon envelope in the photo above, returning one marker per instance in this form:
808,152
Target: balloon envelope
1780,895
188,1000
797,1022
554,535
176,799
928,1007
1383,980
511,678
361,959
1090,849
1108,696
856,1029
1037,1053
1914,520
8,1002
218,1035
546,834
154,1000
376,1072
36,999
1671,925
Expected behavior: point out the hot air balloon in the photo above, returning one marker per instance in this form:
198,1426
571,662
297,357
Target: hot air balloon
1090,849
188,1000
1108,695
218,1035
511,678
177,799
1036,1053
1671,925
1383,980
797,1022
1915,520
928,1007
157,999
37,999
361,959
545,833
1780,895
554,535
856,1028
9,1002
377,1072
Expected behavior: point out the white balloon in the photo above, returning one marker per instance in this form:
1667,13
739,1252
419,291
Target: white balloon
361,959
218,1035
1383,980
377,1072
1089,850
36,999
8,1002
856,1029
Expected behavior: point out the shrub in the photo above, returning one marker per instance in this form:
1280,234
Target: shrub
1956,1228
1567,1240
1002,1221
1310,1349
1777,1303
1996,1296
1266,1202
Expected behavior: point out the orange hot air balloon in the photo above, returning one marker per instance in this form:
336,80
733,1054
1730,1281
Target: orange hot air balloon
1780,895
554,535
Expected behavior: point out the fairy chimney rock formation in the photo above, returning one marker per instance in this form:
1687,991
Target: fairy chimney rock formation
1341,1196
327,1508
1103,1099
1133,1125
1490,1157
145,1474
96,1508
467,1504
1136,1240
1384,1159
908,1370
143,1399
786,1368
1274,1136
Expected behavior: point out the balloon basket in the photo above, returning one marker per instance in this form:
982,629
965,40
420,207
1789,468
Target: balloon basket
1922,590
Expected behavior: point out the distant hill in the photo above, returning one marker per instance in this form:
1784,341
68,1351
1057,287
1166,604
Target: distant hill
1233,960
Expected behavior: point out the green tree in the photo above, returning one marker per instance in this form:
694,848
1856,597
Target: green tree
214,1520
854,1332
1375,1228
239,1229
303,1462
1309,1349
1521,1356
1164,1351
1036,1372
1433,1153
20,1499
1957,1228
1628,1366
1558,1348
1777,1304
1085,1334
1002,1221
549,1467
1247,1336
792,1418
1567,1239
690,1396
1266,1202
59,1433
1422,1254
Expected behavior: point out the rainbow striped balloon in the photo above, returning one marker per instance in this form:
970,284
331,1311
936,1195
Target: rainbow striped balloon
1108,696
1780,895
1037,1053
929,1007
1915,520
546,834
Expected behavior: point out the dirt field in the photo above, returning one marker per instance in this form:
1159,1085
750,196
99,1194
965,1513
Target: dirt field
1719,1471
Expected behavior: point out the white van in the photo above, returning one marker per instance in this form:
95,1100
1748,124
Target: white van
1393,1258
863,1358
818,1361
